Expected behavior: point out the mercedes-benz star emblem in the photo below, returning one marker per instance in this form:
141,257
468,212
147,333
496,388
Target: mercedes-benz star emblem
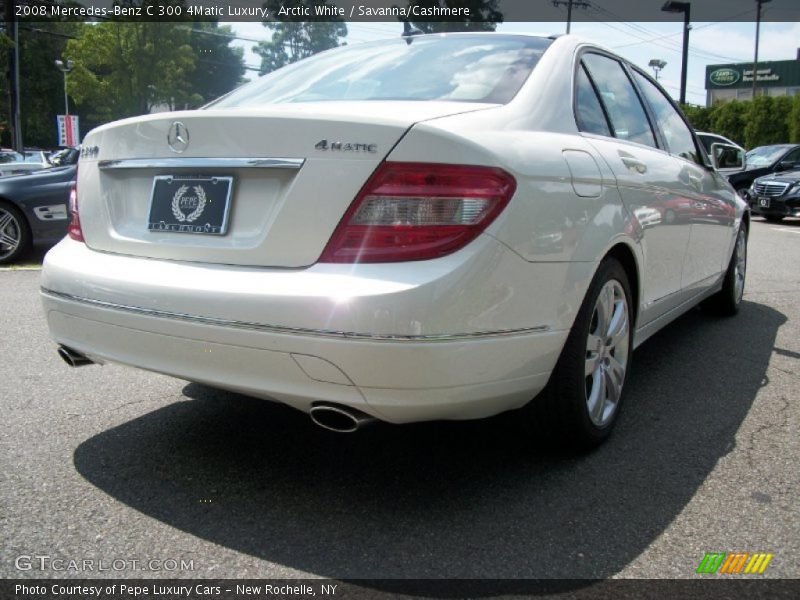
178,137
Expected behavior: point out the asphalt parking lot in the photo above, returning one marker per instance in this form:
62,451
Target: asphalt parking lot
109,463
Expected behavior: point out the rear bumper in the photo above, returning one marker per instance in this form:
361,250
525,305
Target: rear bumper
128,310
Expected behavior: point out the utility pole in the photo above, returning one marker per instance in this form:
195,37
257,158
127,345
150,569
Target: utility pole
569,4
13,76
686,8
755,57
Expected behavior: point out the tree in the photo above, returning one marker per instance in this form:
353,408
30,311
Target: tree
700,117
729,120
485,17
293,38
766,121
219,66
793,120
41,83
124,69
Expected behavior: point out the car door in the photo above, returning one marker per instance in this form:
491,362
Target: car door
651,183
712,203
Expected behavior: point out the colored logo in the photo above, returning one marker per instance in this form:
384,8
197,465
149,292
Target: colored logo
724,77
733,563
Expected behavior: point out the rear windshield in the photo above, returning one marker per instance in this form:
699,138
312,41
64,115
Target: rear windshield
462,68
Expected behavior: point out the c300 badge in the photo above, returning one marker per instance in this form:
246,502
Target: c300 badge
195,204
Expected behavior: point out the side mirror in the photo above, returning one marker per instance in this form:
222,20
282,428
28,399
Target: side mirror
726,156
785,165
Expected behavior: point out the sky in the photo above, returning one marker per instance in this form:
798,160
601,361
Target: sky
709,43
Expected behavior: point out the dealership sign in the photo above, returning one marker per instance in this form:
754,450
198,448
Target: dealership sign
68,132
724,77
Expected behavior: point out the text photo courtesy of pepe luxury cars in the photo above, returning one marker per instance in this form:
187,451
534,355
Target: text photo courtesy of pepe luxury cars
279,277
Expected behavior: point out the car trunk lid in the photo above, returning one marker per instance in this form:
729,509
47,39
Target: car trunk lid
292,170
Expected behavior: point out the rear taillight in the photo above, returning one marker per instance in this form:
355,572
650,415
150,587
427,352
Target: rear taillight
418,211
74,229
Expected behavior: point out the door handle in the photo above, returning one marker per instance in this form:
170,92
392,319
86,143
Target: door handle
634,164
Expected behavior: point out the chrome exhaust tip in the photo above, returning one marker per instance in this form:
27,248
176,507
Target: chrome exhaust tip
341,419
73,358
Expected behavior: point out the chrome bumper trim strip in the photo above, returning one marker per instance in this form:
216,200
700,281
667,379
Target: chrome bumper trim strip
163,314
201,163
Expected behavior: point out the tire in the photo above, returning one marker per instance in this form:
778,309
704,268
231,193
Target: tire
15,237
726,302
580,404
773,218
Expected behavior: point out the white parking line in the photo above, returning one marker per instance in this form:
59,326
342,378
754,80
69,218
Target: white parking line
786,229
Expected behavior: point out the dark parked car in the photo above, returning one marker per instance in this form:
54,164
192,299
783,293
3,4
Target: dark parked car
33,207
776,196
763,161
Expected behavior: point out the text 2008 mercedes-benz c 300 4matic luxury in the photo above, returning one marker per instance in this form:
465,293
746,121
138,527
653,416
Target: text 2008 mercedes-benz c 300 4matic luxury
438,227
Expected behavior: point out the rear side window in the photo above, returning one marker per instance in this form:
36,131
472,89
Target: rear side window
620,100
588,110
676,133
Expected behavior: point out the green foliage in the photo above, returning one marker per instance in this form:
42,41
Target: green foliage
41,83
219,67
768,120
125,69
699,116
294,39
485,11
793,120
729,119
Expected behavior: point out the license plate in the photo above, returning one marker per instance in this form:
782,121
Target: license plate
764,202
194,204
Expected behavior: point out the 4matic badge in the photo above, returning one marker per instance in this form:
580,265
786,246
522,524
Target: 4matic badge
346,146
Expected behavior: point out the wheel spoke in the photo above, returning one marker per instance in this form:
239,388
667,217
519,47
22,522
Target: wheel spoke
616,376
591,365
5,220
605,308
8,240
600,403
618,329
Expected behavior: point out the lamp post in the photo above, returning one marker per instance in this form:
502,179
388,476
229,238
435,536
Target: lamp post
65,67
755,56
656,64
685,8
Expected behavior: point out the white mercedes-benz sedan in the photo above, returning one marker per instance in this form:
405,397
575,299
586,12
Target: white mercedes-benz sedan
430,227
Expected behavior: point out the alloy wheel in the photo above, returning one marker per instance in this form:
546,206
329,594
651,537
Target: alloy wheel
10,233
607,349
740,268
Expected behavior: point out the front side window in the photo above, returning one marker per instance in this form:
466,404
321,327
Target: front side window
792,157
462,68
620,100
677,134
